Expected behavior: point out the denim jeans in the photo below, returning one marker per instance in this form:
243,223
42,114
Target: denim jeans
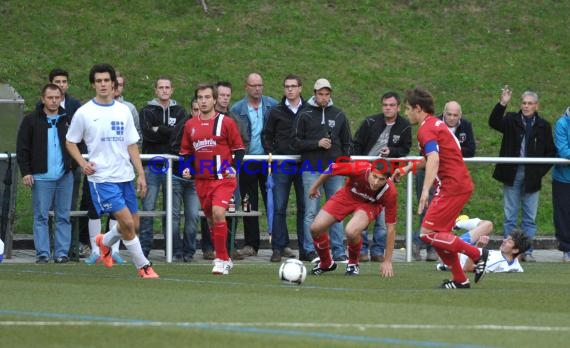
419,178
333,184
154,183
45,195
514,198
378,237
184,192
287,175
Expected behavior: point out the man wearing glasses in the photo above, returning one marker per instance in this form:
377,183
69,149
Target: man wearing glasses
251,113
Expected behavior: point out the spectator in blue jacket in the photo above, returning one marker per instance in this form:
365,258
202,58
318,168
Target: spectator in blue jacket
251,114
561,186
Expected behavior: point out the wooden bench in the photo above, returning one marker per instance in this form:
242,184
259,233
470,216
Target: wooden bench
76,214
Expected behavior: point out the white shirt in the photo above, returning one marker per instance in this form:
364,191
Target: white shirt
496,263
107,129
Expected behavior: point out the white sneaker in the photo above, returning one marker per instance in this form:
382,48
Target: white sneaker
218,266
222,267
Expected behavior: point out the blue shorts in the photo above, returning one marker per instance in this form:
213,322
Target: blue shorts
466,237
110,197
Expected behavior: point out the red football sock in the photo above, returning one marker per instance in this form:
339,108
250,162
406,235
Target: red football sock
450,242
219,240
322,246
354,251
452,260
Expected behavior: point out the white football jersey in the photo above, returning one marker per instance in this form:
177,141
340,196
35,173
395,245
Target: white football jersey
496,263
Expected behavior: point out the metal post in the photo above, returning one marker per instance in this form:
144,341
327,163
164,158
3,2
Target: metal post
168,198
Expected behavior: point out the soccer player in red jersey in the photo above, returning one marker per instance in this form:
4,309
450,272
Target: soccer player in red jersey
208,143
446,171
367,191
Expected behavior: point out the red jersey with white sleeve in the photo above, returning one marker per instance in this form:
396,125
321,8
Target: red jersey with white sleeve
356,192
212,143
452,175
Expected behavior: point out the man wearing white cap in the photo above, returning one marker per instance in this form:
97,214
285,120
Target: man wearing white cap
322,134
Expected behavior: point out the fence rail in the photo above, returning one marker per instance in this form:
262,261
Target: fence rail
278,158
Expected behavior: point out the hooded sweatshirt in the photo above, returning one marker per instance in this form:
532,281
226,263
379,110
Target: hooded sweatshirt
154,115
315,123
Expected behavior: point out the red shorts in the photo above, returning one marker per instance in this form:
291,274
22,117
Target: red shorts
443,210
214,193
342,204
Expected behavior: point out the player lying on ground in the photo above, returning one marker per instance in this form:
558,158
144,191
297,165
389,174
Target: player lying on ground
502,260
367,191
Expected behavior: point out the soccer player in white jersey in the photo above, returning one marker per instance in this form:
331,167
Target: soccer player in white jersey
503,260
108,129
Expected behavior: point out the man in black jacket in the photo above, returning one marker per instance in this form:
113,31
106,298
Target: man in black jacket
276,139
46,168
157,119
384,135
322,135
525,134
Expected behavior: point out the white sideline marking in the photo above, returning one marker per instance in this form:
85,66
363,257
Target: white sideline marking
361,327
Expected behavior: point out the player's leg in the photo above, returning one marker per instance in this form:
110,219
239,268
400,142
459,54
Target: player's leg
319,231
357,223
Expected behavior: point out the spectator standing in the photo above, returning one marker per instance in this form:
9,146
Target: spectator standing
561,186
525,134
121,82
158,119
109,132
251,113
47,169
213,135
183,193
276,139
322,135
384,135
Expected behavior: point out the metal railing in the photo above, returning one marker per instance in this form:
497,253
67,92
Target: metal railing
278,158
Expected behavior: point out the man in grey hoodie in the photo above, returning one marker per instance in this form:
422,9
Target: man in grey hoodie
157,121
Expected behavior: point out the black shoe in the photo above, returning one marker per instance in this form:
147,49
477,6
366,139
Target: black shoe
352,270
341,259
177,258
450,284
317,270
313,257
42,259
480,265
61,259
276,256
187,258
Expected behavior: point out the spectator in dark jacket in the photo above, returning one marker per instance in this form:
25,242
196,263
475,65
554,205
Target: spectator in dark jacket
158,119
46,168
525,134
276,138
386,135
322,135
460,126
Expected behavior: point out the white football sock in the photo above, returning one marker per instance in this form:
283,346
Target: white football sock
94,226
112,236
134,247
114,247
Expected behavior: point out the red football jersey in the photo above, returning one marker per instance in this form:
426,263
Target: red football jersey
452,175
359,188
212,143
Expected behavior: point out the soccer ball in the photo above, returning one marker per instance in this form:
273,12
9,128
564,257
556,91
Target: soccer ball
292,271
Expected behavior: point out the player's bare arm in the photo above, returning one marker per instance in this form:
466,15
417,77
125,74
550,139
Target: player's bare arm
88,167
386,269
314,190
134,154
432,166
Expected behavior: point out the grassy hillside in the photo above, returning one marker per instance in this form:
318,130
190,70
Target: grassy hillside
459,50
